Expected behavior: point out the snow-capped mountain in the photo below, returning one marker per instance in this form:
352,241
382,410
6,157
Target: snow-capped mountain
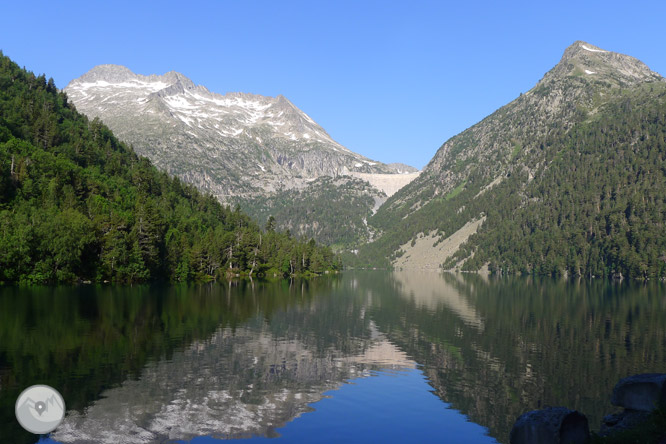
232,145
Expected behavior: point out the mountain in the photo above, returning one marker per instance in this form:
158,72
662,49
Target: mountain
566,179
332,210
230,145
262,153
77,204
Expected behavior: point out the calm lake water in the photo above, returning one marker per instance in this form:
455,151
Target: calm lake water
359,357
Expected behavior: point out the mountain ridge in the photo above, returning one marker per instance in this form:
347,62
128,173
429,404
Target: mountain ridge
536,99
498,170
255,151
268,143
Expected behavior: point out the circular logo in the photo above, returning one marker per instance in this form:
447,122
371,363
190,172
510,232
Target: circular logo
40,409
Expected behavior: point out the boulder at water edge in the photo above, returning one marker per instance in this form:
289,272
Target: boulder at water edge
643,392
552,425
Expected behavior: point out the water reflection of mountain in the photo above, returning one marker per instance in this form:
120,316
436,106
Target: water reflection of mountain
425,289
83,340
238,383
154,363
213,387
146,364
542,342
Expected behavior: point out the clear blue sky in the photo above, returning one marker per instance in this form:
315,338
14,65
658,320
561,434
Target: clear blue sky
390,80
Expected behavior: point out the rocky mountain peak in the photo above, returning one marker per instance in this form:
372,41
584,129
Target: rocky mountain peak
178,84
108,73
232,145
580,47
281,103
174,77
583,59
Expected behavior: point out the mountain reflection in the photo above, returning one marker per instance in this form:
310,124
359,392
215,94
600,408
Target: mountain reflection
149,364
428,290
497,348
272,349
236,384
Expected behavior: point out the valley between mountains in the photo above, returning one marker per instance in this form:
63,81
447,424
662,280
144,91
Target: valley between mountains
567,179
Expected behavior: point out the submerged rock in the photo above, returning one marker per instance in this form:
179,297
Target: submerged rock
619,422
552,425
644,392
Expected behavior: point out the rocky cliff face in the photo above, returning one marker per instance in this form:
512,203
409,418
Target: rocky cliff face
230,145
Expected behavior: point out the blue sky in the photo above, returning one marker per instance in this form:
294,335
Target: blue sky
390,80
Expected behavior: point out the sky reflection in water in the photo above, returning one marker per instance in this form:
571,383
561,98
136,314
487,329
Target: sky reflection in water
382,357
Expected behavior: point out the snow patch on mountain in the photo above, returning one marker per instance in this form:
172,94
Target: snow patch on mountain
587,48
208,138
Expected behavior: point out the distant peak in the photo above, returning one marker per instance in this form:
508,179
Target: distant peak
584,46
117,74
110,67
582,59
109,72
590,48
582,49
401,168
176,77
282,100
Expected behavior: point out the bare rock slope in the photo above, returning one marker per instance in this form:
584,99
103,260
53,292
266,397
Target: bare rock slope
230,145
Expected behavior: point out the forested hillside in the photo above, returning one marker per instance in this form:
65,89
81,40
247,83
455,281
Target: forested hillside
570,177
333,211
77,204
598,209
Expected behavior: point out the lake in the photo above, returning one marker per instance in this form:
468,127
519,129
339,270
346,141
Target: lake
357,357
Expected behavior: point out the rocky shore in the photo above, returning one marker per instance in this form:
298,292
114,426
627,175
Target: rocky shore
639,396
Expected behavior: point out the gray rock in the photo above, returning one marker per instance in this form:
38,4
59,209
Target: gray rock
641,392
552,425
